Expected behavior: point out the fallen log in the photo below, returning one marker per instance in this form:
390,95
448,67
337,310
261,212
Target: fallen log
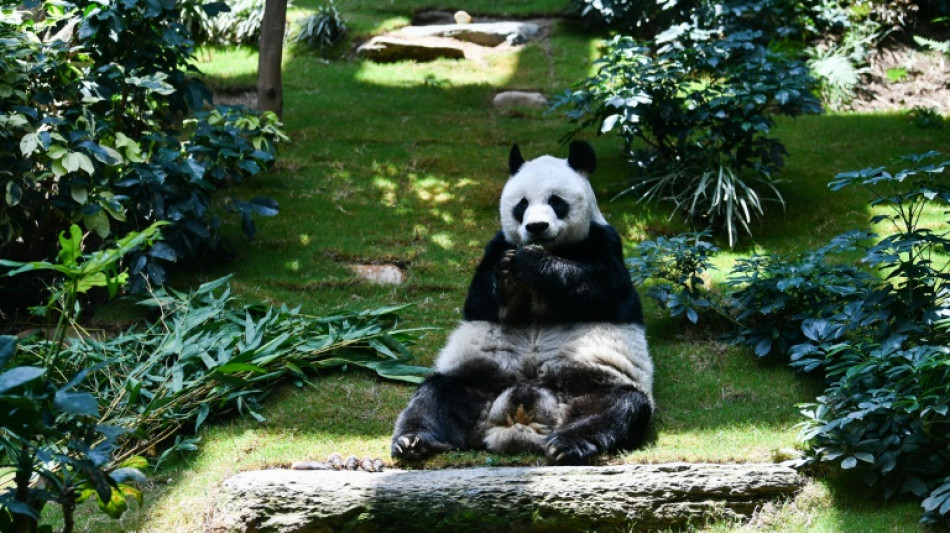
631,497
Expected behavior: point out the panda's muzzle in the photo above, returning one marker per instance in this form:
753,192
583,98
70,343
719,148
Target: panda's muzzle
537,229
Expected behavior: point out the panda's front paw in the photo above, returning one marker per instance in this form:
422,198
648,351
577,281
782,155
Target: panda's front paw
415,446
571,450
527,261
506,271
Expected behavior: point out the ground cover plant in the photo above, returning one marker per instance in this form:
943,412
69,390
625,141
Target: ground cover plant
404,164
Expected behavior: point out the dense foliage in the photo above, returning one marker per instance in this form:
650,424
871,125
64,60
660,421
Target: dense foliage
50,429
224,22
78,411
323,29
101,123
695,113
881,342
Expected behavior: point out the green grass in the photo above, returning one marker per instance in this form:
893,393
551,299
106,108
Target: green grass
406,162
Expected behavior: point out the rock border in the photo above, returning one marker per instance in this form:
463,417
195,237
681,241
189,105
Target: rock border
552,498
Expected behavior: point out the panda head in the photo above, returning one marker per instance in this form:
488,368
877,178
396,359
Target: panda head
548,201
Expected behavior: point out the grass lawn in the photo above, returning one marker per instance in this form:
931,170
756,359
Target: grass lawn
405,162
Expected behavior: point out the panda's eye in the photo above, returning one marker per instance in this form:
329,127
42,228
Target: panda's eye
560,205
518,211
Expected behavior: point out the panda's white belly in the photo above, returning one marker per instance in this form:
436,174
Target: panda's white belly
524,351
523,415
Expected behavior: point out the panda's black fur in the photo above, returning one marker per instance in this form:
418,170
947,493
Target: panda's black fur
551,355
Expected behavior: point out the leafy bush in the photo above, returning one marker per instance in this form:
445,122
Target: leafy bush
225,22
120,160
647,18
673,269
772,296
52,430
700,107
323,29
77,411
636,17
881,342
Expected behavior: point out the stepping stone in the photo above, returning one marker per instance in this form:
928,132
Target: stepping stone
391,49
482,33
513,99
384,274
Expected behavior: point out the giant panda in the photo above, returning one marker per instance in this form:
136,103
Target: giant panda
551,355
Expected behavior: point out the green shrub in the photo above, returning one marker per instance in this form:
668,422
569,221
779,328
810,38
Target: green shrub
102,126
78,411
52,430
322,30
673,271
880,341
222,23
772,296
695,117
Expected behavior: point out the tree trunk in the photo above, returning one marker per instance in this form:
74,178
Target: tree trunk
270,95
623,498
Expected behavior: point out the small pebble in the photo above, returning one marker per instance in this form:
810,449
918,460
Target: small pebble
461,17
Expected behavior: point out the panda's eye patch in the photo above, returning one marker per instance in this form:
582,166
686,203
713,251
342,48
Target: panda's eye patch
518,211
560,205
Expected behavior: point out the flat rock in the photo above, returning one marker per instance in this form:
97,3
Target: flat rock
553,498
388,49
512,99
382,274
481,33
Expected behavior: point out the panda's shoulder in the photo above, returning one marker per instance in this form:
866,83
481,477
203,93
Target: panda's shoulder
603,236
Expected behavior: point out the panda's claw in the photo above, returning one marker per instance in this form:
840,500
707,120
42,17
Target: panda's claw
416,446
571,450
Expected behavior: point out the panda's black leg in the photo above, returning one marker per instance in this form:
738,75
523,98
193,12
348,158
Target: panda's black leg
605,413
617,420
443,411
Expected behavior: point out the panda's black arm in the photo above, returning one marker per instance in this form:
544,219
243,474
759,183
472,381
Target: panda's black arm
591,273
482,302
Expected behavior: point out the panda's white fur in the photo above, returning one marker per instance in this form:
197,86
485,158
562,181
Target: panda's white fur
558,376
531,351
535,181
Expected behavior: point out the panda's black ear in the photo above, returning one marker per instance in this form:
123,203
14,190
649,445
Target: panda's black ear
515,160
581,158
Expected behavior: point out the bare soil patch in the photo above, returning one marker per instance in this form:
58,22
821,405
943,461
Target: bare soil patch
902,78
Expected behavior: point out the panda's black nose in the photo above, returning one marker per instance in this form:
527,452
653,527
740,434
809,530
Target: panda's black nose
536,228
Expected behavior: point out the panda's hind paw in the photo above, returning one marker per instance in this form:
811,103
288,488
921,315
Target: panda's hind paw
413,446
566,450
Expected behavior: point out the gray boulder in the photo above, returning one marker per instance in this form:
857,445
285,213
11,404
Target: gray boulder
481,33
391,49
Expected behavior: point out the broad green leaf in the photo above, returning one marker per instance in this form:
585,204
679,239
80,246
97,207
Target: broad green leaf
19,376
99,223
7,349
77,403
79,194
28,144
71,161
56,151
115,506
13,193
85,164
